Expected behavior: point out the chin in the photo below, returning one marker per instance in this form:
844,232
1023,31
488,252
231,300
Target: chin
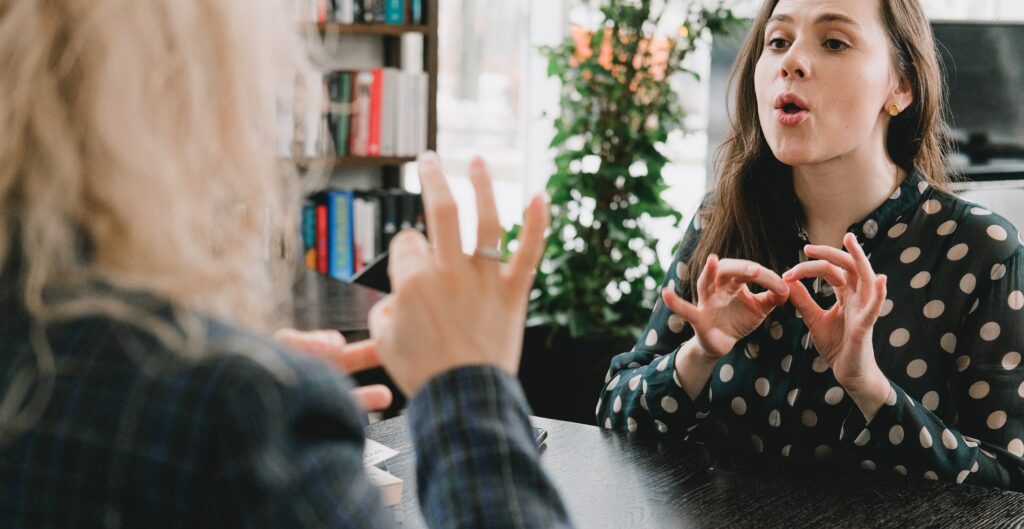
794,154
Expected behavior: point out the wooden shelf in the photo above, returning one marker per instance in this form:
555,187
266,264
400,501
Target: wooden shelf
371,161
385,30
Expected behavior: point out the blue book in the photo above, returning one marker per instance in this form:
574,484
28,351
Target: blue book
417,11
395,13
339,230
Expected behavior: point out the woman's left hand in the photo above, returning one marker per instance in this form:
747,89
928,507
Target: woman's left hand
843,333
330,347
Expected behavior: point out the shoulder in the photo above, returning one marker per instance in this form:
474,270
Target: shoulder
974,230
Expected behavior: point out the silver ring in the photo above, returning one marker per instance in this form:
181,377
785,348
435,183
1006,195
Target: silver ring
488,252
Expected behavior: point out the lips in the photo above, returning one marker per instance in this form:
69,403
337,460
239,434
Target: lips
790,103
790,109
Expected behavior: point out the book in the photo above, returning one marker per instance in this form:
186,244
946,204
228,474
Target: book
359,136
351,229
395,12
309,234
416,11
340,212
376,108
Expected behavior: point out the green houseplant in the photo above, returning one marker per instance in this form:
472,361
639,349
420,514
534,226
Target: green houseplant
598,280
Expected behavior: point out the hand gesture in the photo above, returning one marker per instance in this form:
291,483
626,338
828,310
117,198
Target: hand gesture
448,309
330,347
843,333
726,309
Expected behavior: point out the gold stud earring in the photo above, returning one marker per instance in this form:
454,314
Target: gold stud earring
894,110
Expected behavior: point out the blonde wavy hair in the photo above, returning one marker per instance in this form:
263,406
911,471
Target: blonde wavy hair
137,150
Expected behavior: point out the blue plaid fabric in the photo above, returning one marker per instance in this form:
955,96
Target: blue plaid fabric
234,431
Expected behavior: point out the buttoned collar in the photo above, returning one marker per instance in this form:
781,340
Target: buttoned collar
884,218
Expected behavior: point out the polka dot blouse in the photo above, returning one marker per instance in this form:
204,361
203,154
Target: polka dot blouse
949,339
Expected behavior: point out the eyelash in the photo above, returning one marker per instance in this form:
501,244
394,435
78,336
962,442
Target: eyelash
843,46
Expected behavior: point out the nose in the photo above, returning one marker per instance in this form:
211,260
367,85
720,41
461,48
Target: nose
795,65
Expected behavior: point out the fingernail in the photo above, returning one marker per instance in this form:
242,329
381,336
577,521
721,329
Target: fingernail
428,156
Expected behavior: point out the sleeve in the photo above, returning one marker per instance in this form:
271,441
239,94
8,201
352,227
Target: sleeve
287,449
642,392
983,445
477,462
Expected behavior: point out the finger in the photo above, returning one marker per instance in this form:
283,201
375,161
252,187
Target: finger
442,213
864,271
379,318
769,300
318,342
838,258
832,273
741,271
804,303
707,277
679,306
875,307
376,397
356,357
409,250
531,244
488,230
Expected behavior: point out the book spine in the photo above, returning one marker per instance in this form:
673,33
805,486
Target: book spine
388,217
376,108
395,12
360,136
345,112
309,235
358,243
416,11
321,239
345,11
340,230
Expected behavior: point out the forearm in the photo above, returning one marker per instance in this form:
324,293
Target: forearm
477,464
693,368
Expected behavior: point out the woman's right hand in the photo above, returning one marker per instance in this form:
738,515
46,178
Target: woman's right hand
726,309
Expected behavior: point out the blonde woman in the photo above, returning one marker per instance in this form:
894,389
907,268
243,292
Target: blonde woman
839,308
136,388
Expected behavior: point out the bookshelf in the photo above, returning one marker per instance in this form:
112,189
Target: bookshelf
378,105
390,45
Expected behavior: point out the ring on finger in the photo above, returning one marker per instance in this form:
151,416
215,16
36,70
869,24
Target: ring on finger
488,252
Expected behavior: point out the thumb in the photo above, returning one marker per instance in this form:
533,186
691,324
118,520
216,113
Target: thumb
804,303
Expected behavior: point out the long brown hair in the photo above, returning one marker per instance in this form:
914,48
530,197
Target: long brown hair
752,206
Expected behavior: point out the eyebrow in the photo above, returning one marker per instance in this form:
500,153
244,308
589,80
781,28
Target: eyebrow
824,18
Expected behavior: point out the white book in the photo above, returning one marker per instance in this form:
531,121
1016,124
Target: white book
387,114
345,11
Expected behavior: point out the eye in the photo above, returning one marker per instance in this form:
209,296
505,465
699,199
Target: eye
777,44
836,45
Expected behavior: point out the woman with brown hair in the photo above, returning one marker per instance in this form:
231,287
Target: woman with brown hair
780,350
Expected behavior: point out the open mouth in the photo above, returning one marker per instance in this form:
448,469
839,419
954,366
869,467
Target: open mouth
792,108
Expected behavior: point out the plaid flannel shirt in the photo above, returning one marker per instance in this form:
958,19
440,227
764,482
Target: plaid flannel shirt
238,432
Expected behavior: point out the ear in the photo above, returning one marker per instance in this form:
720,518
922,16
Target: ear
902,94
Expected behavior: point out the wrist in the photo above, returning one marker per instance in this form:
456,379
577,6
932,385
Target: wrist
870,394
693,367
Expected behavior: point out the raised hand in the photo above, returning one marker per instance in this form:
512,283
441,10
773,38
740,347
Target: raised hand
726,309
843,334
330,347
448,309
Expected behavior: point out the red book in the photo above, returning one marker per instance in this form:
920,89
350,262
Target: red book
321,239
376,108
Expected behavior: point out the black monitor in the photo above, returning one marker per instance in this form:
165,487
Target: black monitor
984,65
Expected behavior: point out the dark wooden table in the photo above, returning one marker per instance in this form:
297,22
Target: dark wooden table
613,480
323,302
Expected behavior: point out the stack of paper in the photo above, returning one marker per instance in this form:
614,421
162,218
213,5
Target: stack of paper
390,485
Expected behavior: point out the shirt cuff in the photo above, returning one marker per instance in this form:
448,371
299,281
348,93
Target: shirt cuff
668,403
463,399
